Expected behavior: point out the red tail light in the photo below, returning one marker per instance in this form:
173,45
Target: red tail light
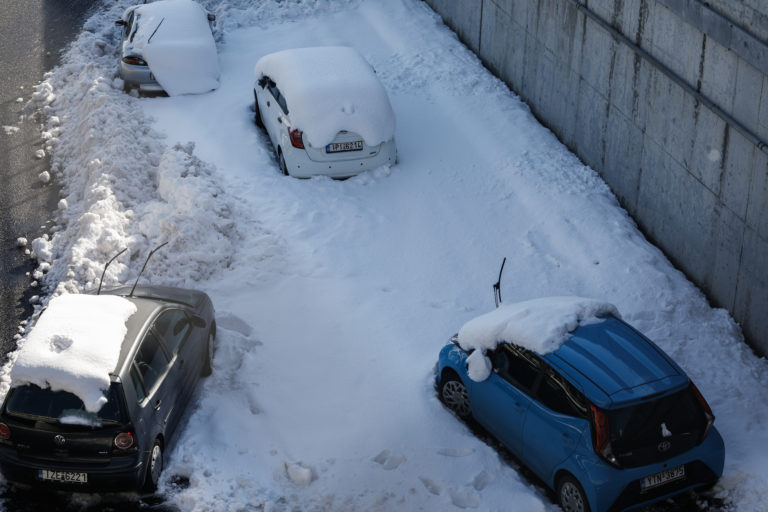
707,410
296,139
133,60
5,432
123,441
602,436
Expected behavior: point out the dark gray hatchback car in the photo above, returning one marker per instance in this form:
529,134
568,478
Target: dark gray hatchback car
168,346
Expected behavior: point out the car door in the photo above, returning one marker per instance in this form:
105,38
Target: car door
153,367
272,114
501,402
555,422
175,328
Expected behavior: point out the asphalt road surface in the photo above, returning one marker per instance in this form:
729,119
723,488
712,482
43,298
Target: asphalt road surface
32,35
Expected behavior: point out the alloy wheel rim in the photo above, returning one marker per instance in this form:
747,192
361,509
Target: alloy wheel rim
156,464
455,396
571,498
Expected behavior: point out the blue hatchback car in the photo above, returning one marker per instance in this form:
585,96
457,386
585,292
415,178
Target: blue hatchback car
607,420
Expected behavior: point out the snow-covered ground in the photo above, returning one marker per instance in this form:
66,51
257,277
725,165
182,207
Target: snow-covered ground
334,298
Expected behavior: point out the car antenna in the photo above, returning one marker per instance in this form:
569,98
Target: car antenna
153,35
497,284
101,281
145,266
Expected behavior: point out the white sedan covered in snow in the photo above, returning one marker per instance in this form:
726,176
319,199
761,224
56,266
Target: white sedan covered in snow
325,111
168,46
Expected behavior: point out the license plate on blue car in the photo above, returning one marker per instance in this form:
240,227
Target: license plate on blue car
662,478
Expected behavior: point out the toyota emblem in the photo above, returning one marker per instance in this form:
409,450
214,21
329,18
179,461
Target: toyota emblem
59,440
664,446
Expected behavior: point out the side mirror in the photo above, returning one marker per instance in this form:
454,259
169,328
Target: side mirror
197,321
211,17
120,23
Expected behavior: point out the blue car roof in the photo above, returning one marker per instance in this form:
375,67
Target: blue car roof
614,365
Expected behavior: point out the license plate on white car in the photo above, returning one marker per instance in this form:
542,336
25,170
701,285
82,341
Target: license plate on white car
63,476
662,478
340,147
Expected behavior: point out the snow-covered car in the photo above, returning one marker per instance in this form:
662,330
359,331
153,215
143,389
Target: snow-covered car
168,46
325,111
599,412
100,385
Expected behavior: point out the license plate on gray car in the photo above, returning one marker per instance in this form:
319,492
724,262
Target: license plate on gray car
63,476
339,147
662,478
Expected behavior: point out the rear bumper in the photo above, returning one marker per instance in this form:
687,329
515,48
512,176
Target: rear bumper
138,76
301,166
611,489
119,474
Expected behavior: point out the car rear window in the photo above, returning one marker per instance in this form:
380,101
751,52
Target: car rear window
63,406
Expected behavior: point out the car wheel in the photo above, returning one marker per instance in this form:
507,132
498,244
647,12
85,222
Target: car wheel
154,466
281,161
208,363
571,496
454,394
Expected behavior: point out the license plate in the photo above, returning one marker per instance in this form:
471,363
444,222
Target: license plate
662,478
63,476
339,147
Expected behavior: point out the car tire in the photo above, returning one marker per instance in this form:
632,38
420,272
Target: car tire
453,393
154,466
281,162
209,351
570,495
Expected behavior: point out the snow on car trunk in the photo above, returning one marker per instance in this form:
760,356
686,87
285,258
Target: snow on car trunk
541,325
75,346
330,89
176,42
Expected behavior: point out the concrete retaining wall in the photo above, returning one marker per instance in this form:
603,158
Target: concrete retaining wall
668,100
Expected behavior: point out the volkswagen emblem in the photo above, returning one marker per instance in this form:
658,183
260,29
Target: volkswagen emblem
59,440
664,446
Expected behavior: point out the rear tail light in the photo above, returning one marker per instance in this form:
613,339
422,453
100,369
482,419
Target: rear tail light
707,410
133,60
5,432
297,140
123,441
602,436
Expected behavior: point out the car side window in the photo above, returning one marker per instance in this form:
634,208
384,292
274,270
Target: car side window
559,395
138,384
279,98
151,360
173,326
128,25
517,366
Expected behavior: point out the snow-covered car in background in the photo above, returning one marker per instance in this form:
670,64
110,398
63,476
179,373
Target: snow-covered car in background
100,384
325,111
598,411
168,46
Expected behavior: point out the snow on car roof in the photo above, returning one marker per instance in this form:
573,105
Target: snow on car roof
540,325
74,346
329,89
175,40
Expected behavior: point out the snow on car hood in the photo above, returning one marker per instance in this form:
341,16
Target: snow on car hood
329,89
540,325
174,38
74,346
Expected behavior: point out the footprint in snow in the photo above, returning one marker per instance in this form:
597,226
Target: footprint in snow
453,452
481,480
431,485
298,473
465,498
389,460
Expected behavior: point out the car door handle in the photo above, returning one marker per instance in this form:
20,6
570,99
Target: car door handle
279,119
269,104
158,404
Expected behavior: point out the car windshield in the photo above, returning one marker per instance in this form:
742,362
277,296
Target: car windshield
63,407
673,415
